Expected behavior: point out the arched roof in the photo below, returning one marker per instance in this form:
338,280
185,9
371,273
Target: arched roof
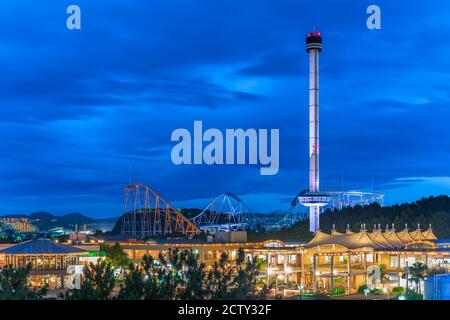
350,241
417,235
393,238
404,236
377,239
429,234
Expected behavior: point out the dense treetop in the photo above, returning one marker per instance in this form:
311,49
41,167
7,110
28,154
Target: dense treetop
431,210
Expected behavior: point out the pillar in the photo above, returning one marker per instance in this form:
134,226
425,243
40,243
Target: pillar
332,273
348,274
285,267
302,277
365,267
314,274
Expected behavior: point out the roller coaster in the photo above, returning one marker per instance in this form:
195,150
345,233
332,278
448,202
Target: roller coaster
226,212
147,214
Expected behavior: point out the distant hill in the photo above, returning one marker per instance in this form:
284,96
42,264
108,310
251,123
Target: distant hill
431,210
45,220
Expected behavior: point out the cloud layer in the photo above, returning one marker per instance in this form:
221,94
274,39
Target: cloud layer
80,110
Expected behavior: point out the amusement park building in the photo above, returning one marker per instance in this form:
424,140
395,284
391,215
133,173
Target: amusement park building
50,261
329,261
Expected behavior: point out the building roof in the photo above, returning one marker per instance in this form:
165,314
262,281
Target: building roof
377,239
429,234
417,235
41,246
393,238
349,241
404,236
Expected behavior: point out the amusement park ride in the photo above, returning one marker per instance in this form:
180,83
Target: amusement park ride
149,215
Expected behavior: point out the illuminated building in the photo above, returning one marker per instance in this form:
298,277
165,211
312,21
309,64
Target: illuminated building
17,224
49,260
337,260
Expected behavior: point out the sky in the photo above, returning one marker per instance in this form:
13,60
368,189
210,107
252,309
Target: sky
83,111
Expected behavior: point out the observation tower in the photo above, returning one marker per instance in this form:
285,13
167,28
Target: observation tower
314,199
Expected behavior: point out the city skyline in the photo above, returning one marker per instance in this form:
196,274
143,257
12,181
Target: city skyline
83,111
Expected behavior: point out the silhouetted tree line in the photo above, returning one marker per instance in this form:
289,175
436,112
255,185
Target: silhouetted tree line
431,210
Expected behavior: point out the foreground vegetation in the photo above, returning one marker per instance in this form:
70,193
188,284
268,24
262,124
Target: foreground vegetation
431,210
179,276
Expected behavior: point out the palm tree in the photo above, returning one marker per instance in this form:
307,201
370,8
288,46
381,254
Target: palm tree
417,273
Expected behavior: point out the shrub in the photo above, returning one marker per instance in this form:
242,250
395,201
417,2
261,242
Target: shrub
362,288
398,290
337,292
377,292
412,295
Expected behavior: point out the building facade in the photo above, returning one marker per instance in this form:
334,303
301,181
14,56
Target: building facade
337,260
49,260
17,224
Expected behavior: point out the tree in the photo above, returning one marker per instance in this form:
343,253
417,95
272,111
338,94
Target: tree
417,273
194,273
238,281
177,276
219,279
13,284
97,283
115,255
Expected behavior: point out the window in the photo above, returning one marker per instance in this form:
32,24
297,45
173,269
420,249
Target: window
393,261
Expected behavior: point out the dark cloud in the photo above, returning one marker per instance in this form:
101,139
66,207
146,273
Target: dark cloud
80,110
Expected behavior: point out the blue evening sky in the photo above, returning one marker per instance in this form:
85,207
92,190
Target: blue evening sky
78,109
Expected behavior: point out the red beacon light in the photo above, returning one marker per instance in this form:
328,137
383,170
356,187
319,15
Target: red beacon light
314,34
